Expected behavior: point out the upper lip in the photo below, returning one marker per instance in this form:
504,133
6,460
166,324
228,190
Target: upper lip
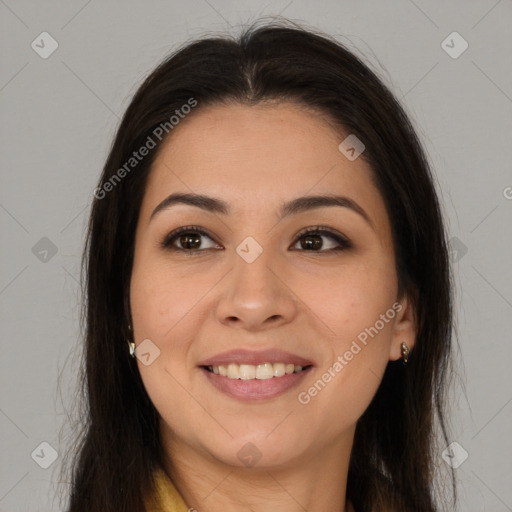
255,357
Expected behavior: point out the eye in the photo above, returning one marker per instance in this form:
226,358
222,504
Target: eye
186,239
311,240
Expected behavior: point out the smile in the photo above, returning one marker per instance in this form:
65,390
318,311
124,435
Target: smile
260,372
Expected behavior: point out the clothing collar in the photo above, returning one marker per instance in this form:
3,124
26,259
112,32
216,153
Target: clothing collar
166,497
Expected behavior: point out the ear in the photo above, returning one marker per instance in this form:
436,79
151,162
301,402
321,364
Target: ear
405,327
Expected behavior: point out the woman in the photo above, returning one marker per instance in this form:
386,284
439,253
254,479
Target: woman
268,300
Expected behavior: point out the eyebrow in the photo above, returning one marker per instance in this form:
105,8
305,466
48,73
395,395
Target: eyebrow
297,205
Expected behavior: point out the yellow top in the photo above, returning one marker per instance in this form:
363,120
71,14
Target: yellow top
168,499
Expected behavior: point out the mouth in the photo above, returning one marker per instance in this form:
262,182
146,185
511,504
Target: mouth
255,375
263,371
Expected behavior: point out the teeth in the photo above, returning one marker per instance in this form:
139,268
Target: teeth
278,370
233,371
261,371
247,371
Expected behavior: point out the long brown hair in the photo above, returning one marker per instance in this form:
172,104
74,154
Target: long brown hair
395,451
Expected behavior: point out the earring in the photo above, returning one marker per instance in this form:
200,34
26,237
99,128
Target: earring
405,352
131,345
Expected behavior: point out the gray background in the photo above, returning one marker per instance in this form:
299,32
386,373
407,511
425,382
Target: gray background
58,118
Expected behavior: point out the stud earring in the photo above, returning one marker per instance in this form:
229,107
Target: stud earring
405,352
131,345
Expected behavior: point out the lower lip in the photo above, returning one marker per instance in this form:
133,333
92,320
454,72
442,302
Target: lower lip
255,389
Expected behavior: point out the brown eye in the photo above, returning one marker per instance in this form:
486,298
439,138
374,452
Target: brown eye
187,239
191,241
311,240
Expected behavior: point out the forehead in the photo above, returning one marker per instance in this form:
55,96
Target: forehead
256,157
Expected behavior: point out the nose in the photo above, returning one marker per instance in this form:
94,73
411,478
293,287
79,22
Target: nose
256,296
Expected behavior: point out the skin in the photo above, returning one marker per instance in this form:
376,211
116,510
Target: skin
313,304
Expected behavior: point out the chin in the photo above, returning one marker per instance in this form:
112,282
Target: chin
257,451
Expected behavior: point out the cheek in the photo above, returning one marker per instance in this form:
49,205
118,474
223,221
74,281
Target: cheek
161,297
168,307
357,319
350,298
160,303
169,319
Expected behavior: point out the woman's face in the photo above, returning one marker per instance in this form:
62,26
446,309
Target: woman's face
256,285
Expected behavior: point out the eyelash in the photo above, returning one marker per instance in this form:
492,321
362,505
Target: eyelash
344,243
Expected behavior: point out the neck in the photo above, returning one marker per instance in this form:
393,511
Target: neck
314,481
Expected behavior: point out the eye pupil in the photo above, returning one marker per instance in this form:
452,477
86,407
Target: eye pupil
195,241
311,242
